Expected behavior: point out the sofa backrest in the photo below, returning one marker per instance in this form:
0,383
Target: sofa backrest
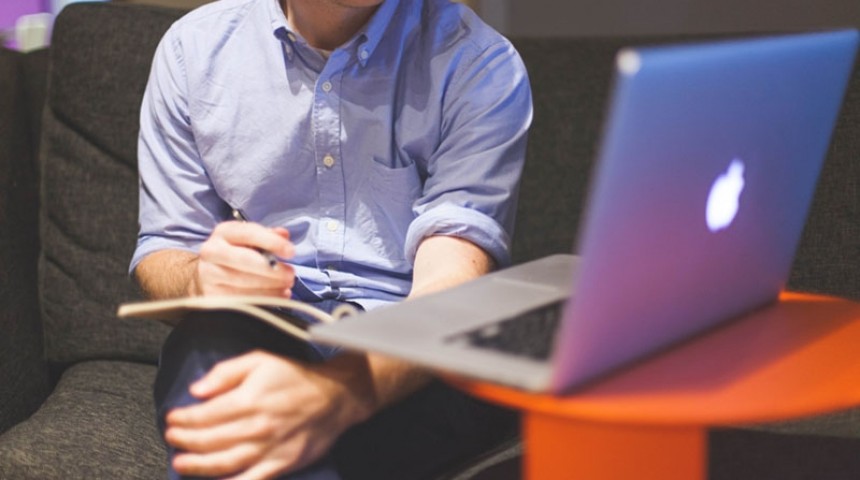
570,80
828,259
100,60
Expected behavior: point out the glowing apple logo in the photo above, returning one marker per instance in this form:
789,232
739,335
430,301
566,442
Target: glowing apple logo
723,200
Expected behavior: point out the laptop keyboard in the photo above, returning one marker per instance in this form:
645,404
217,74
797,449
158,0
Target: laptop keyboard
529,334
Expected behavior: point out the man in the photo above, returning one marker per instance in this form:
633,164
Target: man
374,146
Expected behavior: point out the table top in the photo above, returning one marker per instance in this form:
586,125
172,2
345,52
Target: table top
797,357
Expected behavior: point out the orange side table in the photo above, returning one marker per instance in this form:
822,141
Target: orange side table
796,358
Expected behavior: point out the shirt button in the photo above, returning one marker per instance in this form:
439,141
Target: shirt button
328,161
364,54
326,86
331,225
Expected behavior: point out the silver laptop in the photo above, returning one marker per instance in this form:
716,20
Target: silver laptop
707,168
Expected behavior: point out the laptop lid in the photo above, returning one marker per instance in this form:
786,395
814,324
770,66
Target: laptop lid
707,168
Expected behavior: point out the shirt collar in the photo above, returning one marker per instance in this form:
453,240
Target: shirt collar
276,15
375,30
368,37
279,24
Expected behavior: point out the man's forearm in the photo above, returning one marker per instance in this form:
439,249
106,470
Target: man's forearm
167,274
441,263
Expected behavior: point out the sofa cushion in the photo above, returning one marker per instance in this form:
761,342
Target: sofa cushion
89,181
24,374
98,423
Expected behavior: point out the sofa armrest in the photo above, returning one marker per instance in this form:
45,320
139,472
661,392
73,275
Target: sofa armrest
23,370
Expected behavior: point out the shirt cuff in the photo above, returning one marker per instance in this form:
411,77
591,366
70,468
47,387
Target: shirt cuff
461,222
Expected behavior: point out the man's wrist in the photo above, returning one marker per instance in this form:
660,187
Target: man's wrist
193,289
358,392
369,383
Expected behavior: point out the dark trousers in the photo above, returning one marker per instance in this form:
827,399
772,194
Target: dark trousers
420,437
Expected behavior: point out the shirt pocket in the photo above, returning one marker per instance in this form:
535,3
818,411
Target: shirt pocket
395,184
384,212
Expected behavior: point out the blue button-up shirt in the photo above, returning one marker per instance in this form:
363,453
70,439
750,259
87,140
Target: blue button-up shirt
414,127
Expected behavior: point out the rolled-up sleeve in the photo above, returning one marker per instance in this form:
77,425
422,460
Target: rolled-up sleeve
178,206
472,179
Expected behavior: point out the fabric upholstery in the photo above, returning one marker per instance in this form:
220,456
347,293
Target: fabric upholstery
89,182
761,455
34,75
24,376
829,254
98,423
567,99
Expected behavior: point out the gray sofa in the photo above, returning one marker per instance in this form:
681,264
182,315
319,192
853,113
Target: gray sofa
75,381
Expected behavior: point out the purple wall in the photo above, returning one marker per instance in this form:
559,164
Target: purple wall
10,10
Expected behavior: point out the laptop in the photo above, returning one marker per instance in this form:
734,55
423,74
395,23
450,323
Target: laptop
707,167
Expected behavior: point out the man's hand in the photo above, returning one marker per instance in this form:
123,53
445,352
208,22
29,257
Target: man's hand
263,415
230,262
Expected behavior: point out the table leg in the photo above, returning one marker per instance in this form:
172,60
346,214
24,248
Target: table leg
562,448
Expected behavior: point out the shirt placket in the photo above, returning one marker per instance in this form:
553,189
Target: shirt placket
331,228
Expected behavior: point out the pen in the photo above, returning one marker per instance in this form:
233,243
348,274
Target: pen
273,261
